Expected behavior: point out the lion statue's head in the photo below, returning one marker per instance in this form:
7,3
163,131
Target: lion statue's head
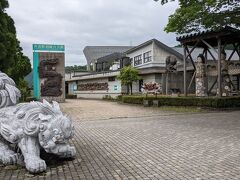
46,122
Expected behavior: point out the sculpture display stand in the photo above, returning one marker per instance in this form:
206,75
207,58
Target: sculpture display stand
151,88
171,67
201,77
31,127
226,81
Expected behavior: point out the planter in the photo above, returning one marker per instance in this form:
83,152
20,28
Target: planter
156,103
147,103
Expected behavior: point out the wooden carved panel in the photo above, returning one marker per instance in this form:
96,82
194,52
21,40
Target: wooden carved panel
52,84
93,86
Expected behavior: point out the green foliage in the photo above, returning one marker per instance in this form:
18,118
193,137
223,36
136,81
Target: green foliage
133,99
29,99
3,4
214,102
128,75
193,16
12,60
119,98
25,92
69,69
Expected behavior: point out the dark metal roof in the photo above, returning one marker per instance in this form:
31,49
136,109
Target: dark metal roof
111,57
159,44
92,53
227,35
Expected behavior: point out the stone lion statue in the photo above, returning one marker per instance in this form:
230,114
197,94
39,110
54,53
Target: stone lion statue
31,127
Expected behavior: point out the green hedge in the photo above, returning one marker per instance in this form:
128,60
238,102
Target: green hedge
214,102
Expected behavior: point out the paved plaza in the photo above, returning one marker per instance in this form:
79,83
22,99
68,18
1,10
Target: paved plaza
116,141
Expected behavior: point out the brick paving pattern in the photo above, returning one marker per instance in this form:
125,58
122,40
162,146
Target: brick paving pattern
145,144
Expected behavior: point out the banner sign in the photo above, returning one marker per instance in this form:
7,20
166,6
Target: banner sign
48,47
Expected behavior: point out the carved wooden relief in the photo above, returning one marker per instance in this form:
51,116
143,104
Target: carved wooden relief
93,86
52,84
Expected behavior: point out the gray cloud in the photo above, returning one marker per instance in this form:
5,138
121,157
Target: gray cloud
80,23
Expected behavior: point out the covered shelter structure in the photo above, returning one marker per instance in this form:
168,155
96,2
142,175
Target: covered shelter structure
213,43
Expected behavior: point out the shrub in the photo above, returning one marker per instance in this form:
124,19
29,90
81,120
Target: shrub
215,102
29,99
25,91
132,99
119,98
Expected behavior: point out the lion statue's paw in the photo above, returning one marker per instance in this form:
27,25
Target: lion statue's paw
35,165
9,158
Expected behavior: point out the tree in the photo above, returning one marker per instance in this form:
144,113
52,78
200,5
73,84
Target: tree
69,69
193,16
12,60
128,75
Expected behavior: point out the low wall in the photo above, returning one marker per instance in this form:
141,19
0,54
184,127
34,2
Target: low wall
95,95
113,88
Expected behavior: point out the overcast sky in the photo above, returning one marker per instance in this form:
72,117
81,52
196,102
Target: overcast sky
80,23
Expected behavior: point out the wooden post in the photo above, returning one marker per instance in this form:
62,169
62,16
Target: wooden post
219,69
184,71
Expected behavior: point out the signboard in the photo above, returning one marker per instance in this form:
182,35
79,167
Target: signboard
49,60
48,47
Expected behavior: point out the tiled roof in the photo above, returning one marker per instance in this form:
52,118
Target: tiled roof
111,57
226,30
159,44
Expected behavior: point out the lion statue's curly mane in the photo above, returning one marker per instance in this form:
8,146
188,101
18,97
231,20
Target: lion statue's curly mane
31,126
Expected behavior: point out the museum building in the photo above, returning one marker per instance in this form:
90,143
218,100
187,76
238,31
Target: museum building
149,58
155,61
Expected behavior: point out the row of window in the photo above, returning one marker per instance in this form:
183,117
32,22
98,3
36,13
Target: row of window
137,60
147,57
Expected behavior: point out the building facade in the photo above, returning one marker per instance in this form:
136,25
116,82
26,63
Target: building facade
150,60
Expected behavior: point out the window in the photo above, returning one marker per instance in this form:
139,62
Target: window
147,57
111,78
138,60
